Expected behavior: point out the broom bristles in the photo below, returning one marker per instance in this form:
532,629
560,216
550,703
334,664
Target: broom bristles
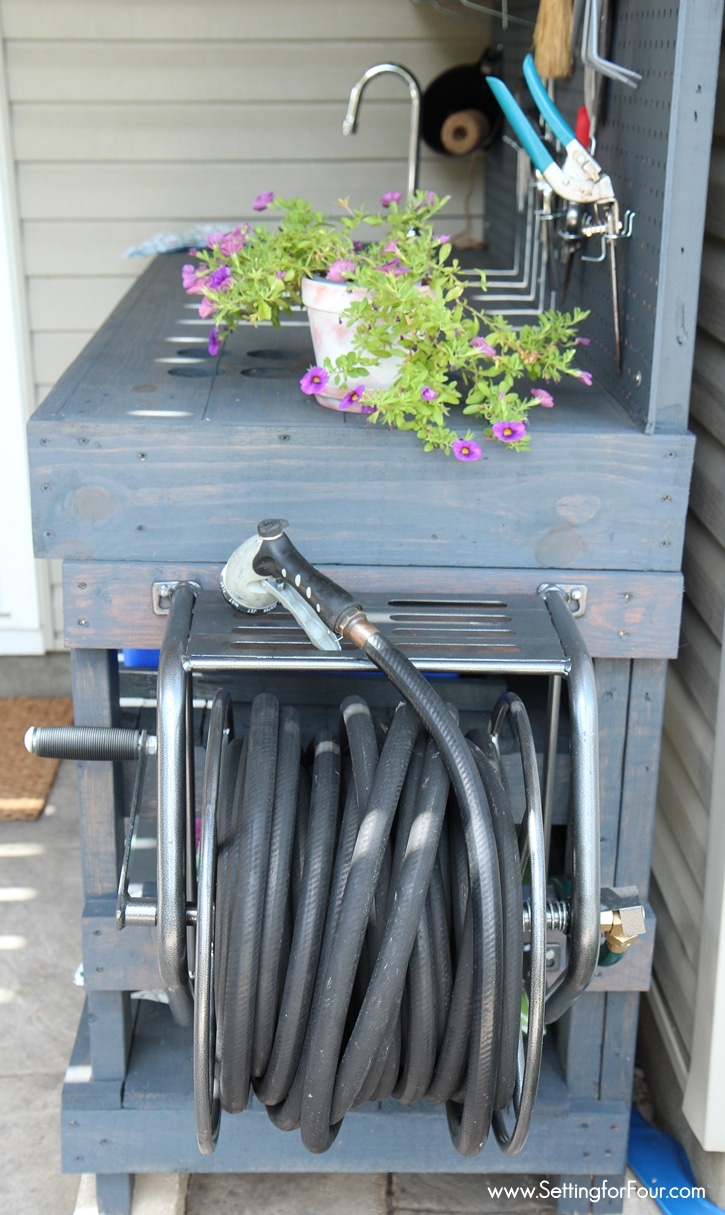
552,39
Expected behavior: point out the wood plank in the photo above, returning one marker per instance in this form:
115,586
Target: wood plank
115,602
639,777
619,1046
100,792
238,70
687,816
320,19
703,566
579,1039
613,678
99,191
699,660
690,734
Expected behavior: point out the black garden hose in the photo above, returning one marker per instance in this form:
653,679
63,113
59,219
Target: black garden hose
380,969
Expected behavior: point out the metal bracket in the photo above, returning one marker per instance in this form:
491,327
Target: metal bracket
162,592
576,595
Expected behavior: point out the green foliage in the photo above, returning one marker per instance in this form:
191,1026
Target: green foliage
452,355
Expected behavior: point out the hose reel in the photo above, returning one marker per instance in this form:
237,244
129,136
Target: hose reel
359,917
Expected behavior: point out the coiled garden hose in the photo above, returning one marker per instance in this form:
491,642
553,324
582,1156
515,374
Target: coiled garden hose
350,884
368,905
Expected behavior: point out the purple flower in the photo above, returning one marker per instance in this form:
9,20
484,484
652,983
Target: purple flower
543,397
215,343
466,449
263,200
313,380
509,432
485,347
427,393
368,409
585,377
444,240
394,267
392,196
220,279
352,397
391,247
340,270
582,341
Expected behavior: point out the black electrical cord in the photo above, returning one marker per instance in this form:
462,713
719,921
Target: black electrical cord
368,928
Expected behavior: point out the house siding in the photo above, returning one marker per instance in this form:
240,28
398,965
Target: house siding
688,863
129,119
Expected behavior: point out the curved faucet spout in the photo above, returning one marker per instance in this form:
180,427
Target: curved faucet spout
349,125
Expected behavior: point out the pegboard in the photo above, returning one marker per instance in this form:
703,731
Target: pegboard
654,143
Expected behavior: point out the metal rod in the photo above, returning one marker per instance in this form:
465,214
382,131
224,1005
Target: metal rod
584,824
553,710
122,899
172,770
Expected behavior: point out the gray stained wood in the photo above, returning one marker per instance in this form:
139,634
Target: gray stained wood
134,457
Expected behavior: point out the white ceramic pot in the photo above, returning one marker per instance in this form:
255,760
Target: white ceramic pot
326,305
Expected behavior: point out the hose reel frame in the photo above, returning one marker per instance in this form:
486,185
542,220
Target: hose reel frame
175,669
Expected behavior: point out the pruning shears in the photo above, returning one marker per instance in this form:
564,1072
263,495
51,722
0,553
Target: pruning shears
579,181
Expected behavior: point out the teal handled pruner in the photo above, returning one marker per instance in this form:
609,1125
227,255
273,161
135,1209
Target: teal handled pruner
580,180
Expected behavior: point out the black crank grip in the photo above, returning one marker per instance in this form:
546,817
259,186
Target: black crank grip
278,558
88,742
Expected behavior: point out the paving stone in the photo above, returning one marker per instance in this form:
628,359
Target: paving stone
287,1194
465,1194
31,1182
153,1194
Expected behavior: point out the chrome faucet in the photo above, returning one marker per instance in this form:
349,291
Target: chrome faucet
350,123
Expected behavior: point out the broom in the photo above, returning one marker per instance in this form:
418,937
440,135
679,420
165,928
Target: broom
552,39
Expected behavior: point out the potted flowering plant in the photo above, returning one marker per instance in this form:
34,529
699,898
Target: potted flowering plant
402,303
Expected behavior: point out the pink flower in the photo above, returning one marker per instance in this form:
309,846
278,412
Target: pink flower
485,347
352,397
192,279
466,449
585,377
427,393
391,247
263,200
313,380
229,242
509,432
340,270
392,196
207,308
543,397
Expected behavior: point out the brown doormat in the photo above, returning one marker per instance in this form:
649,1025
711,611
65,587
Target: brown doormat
25,780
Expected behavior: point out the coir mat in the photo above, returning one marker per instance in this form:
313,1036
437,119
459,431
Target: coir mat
26,780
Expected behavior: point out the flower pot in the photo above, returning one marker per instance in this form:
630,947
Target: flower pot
326,305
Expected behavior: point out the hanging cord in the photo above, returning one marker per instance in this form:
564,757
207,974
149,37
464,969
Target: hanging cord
363,947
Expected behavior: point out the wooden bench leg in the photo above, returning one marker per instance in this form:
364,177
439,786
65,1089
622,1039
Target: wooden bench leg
114,1192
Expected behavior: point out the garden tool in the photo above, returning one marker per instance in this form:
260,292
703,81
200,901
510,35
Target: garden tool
580,180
